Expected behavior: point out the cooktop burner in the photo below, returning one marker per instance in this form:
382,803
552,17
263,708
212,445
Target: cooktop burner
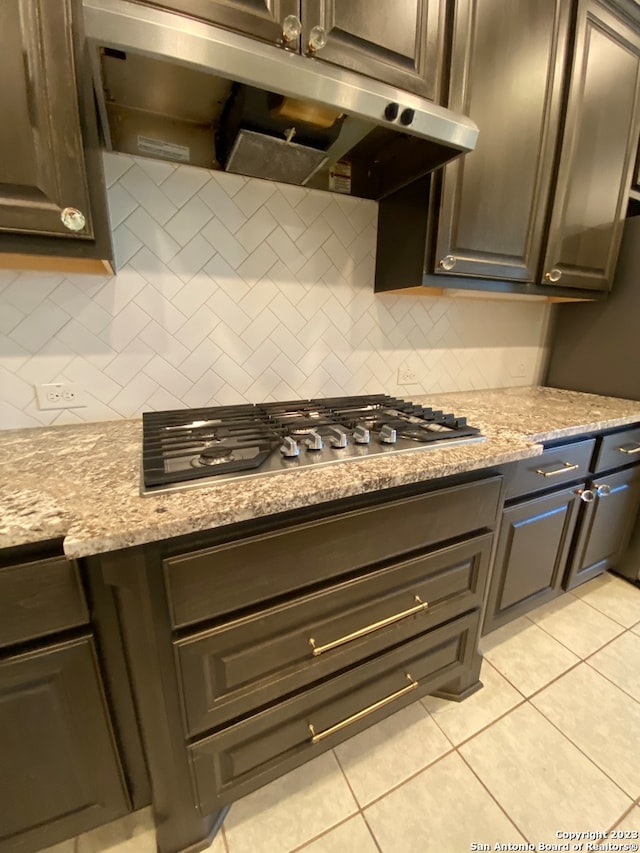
189,447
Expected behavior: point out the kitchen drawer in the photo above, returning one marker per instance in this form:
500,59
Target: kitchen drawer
208,583
250,662
554,467
40,598
244,756
617,449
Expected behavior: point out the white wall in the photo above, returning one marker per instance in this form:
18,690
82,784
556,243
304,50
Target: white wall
232,290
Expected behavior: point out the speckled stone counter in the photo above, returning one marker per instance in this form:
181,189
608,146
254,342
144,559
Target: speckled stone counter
82,482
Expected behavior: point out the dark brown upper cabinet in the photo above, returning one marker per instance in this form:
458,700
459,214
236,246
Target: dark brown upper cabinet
506,74
598,151
537,207
52,199
260,19
399,43
42,174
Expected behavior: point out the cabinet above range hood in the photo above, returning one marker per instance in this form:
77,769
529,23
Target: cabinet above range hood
184,90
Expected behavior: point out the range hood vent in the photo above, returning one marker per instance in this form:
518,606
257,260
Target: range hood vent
178,89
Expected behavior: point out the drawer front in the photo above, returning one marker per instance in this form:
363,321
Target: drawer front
208,583
555,466
618,449
251,662
40,598
256,750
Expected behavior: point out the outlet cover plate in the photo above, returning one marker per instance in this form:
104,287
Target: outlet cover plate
60,395
407,376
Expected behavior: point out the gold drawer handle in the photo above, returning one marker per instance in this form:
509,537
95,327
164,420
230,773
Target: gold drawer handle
368,629
568,466
316,737
629,452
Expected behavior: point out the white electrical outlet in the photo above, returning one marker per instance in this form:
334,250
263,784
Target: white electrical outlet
407,376
60,395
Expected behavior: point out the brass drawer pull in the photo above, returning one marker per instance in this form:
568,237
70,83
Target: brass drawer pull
629,452
568,466
369,629
316,737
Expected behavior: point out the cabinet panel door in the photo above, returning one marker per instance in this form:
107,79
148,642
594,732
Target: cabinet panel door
605,526
598,152
507,68
261,19
59,774
42,167
531,556
399,43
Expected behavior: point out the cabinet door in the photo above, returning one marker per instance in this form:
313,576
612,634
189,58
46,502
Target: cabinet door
605,526
494,200
42,168
261,19
531,555
59,773
399,43
598,152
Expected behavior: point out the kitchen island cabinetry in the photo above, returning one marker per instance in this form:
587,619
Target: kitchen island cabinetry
52,197
540,201
253,649
399,43
60,772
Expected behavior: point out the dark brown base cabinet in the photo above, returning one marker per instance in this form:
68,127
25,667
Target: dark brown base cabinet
253,648
554,540
605,526
59,769
534,542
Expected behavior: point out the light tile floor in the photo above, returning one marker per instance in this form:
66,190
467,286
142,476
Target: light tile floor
550,744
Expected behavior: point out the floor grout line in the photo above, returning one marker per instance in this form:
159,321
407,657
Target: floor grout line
579,748
611,681
323,833
622,817
495,800
408,779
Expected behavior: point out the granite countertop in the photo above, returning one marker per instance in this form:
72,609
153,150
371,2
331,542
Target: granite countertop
82,483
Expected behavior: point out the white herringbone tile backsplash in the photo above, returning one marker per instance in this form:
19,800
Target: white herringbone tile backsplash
232,290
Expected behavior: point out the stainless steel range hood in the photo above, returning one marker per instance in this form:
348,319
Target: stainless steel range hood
187,91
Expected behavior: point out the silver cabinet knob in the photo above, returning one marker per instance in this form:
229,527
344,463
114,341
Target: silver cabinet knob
447,263
289,447
338,437
73,219
361,435
291,29
553,275
317,39
586,495
314,440
388,435
602,489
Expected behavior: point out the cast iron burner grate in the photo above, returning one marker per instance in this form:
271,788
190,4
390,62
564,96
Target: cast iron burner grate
184,447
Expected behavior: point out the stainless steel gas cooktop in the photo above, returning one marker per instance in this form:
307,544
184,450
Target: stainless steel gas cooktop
185,448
